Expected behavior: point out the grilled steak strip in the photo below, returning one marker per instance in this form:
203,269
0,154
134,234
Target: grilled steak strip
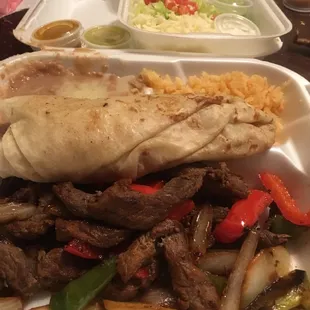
52,205
32,228
57,268
97,235
120,206
269,239
223,187
143,249
192,286
120,291
16,270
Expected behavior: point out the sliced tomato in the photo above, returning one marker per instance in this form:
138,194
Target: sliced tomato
192,7
181,2
171,5
183,10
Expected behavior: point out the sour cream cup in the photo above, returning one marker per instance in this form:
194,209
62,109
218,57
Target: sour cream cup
235,24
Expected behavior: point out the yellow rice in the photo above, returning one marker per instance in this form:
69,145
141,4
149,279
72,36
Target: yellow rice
254,89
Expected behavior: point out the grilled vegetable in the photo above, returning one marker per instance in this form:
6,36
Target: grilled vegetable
78,293
244,213
284,200
201,230
232,294
219,262
113,305
266,267
278,289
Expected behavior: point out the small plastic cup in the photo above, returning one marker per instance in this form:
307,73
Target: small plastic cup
60,33
302,6
106,37
231,6
235,24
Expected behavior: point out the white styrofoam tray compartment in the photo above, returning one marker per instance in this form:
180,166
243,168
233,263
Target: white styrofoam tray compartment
289,158
88,12
264,13
269,18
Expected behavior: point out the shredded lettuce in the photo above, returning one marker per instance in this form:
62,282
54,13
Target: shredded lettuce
156,17
204,7
160,8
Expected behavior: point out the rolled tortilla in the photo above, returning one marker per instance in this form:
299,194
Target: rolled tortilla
50,139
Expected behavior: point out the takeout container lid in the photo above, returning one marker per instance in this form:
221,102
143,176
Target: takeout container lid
233,7
223,21
69,39
265,13
119,34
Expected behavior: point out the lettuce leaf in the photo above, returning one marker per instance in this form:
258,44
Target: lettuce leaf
160,8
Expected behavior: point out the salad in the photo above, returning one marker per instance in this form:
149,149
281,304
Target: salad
172,16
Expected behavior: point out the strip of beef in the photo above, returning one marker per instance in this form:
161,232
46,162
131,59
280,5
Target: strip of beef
26,194
119,205
97,235
57,268
222,186
269,239
143,249
16,270
192,286
52,205
32,228
120,291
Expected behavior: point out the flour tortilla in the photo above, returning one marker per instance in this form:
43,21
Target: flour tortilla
51,139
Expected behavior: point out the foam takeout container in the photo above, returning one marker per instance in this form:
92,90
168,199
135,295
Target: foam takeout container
289,158
265,13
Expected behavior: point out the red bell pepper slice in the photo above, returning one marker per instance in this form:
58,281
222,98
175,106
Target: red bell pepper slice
147,189
83,249
180,210
144,189
244,213
177,212
284,200
142,273
157,184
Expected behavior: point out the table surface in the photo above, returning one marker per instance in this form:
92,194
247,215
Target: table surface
292,56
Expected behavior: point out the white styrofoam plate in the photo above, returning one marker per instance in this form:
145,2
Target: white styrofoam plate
289,158
105,12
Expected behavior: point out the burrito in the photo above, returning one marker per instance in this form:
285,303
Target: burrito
53,139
